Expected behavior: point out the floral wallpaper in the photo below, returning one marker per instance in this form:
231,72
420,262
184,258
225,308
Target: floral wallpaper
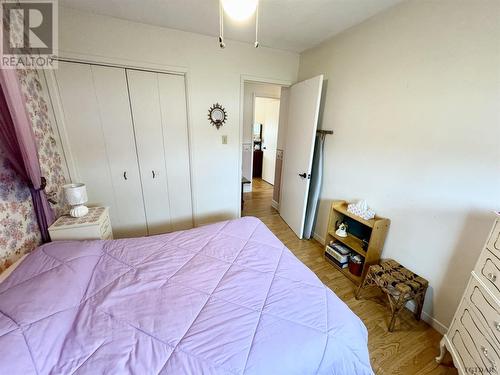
19,232
48,150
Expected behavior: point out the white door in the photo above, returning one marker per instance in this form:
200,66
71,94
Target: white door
83,131
99,142
303,112
176,147
146,113
267,113
116,119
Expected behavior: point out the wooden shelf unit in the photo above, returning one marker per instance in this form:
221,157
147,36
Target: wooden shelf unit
352,242
376,229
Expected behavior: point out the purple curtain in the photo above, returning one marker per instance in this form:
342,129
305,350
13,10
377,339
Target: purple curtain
17,140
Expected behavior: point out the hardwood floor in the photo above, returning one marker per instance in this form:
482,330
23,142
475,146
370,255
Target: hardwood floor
410,349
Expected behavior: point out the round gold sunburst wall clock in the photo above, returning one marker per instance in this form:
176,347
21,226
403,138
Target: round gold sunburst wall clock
217,115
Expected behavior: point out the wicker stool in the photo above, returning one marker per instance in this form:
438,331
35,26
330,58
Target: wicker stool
400,284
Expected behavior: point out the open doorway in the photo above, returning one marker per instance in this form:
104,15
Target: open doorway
262,148
265,137
297,179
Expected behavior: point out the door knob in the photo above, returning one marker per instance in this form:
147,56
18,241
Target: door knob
303,175
125,175
153,173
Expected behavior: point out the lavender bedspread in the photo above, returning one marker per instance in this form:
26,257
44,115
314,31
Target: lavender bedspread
226,298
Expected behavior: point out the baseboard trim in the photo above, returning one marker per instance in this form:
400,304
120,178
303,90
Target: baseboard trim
275,205
318,238
434,323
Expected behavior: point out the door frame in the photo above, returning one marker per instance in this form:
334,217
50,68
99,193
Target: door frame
58,113
251,79
253,121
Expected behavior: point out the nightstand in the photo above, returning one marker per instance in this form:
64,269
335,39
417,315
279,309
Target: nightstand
93,226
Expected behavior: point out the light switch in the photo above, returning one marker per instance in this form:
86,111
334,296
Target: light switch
224,139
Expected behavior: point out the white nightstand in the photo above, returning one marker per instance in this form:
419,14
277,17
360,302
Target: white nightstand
93,226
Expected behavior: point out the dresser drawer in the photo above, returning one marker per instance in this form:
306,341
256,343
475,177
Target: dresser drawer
488,271
462,358
493,243
474,347
485,308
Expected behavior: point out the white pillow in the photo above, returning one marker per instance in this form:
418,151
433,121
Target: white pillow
9,270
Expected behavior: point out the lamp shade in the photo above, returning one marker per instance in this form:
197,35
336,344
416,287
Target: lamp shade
76,194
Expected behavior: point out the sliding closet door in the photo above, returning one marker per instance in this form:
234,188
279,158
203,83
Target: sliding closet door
158,104
100,142
176,144
86,147
116,121
146,113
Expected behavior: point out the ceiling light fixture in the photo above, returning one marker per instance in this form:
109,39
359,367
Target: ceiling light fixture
238,10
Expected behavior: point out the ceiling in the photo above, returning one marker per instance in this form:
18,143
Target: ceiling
293,25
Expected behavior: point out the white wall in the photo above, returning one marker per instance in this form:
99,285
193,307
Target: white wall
252,89
255,89
213,75
413,97
267,113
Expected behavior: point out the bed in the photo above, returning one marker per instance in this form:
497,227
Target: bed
226,298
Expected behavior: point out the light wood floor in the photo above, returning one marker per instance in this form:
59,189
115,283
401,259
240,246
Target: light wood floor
410,349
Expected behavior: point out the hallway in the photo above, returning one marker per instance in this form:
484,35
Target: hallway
258,201
410,349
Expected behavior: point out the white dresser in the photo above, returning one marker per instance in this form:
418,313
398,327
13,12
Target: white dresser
473,338
93,226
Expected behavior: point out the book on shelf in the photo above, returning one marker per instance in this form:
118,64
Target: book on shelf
335,261
342,249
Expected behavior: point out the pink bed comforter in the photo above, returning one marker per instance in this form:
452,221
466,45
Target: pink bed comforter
226,298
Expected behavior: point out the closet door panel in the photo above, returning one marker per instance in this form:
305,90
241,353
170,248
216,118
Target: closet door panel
116,119
176,146
146,114
83,130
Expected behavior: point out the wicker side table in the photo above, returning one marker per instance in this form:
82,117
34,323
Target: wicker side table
399,284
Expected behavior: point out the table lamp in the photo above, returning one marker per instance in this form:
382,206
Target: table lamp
76,196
